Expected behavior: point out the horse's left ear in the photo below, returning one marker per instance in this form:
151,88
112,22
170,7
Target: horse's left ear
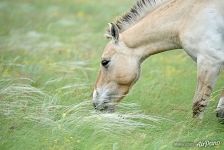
113,32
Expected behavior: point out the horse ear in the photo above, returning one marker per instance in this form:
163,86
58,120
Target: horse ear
113,32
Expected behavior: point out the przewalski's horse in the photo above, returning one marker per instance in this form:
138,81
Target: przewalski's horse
152,27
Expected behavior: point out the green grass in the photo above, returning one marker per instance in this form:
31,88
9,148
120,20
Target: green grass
49,59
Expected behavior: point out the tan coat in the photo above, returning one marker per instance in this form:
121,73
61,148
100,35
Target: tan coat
197,26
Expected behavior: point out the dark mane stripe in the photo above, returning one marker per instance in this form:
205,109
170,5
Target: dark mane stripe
136,13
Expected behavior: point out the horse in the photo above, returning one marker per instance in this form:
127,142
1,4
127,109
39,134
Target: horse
155,26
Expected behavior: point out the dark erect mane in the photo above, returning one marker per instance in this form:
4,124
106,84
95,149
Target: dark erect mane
136,13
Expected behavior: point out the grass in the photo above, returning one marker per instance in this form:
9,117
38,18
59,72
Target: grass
49,59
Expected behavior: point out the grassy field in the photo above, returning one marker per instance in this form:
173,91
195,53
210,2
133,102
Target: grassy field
49,59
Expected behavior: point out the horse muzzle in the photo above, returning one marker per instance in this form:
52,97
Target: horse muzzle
102,102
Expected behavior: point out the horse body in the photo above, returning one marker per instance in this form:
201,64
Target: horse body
202,38
197,26
203,33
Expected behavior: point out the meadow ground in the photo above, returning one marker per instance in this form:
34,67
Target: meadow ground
49,59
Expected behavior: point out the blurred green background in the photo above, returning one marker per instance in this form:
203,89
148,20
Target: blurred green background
49,59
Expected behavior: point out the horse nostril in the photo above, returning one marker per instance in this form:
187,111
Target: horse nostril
94,105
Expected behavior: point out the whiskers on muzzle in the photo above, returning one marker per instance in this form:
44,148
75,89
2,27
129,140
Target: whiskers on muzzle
107,103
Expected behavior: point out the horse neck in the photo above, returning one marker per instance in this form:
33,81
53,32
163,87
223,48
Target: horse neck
157,32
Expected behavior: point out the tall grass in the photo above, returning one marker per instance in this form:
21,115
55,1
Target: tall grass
29,103
49,59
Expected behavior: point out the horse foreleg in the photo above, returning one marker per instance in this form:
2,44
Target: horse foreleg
207,73
220,107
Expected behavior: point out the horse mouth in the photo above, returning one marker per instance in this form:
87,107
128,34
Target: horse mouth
105,107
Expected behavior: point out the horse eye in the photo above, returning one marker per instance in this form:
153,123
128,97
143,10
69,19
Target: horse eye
105,63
